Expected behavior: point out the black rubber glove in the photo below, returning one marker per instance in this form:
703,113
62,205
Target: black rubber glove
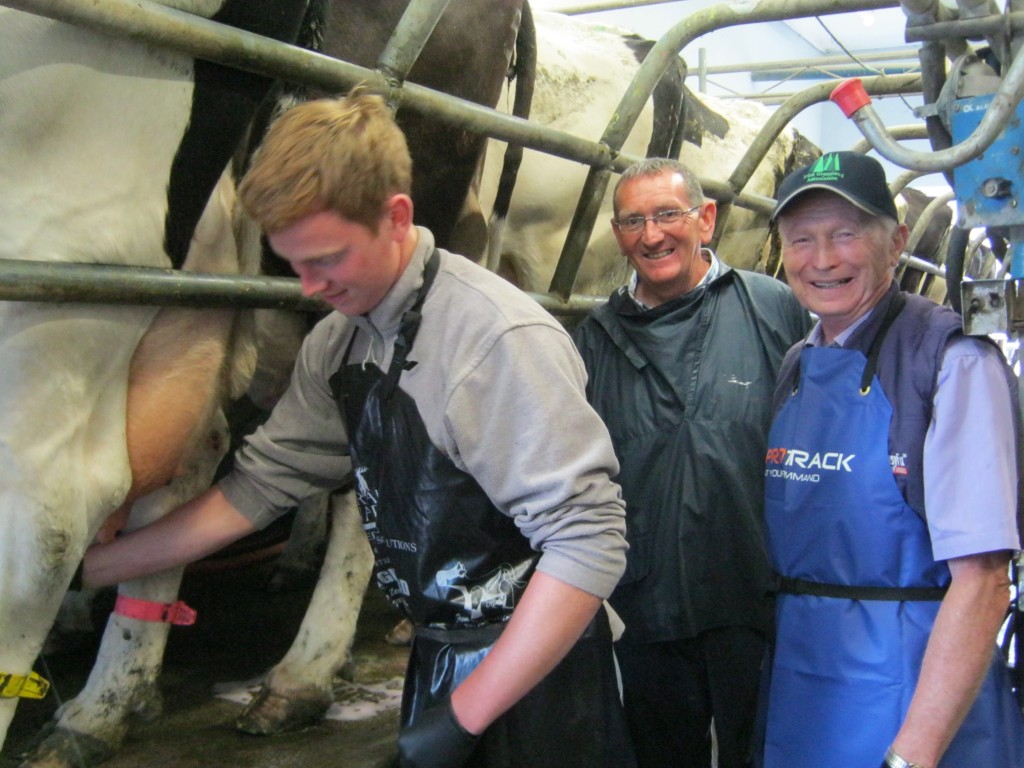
435,740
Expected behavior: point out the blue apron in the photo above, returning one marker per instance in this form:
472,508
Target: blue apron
860,590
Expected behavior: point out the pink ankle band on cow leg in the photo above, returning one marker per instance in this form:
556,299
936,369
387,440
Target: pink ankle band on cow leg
148,610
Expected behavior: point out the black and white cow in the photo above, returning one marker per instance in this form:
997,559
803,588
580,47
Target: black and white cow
112,152
298,691
111,409
583,71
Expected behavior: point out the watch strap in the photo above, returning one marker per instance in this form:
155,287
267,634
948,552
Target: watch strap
892,760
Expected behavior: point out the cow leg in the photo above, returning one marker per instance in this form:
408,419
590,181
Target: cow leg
180,363
300,562
298,691
123,682
63,389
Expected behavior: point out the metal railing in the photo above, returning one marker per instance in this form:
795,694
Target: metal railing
167,27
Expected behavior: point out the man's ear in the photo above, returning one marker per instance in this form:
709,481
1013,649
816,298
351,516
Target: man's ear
900,236
400,214
706,221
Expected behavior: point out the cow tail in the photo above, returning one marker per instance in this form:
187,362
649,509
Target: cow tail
524,72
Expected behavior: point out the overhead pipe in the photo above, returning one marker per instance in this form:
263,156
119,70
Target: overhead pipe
819,62
851,97
997,38
983,26
898,132
596,6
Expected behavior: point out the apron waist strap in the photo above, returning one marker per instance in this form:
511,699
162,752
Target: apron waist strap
482,634
845,591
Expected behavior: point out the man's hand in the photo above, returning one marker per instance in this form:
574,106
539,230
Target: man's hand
435,740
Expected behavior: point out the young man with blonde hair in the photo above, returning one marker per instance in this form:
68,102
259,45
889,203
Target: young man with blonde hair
483,475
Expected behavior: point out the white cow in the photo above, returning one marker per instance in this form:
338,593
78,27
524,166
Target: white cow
583,71
111,409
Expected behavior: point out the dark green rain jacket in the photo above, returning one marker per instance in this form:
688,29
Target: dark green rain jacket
685,389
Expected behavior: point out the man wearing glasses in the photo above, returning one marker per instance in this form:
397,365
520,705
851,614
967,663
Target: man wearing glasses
681,364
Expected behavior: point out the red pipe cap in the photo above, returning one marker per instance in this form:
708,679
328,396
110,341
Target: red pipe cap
850,96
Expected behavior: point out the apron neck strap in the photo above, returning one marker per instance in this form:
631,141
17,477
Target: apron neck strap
891,313
409,327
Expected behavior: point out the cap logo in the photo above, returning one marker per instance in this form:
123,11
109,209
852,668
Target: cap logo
825,168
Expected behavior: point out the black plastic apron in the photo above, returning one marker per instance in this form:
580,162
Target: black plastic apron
457,567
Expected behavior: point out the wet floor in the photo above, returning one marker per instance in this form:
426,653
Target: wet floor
241,630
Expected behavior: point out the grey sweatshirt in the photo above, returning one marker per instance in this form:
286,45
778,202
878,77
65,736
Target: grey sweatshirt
500,388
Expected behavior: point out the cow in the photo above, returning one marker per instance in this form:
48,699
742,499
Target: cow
107,157
297,692
583,70
118,409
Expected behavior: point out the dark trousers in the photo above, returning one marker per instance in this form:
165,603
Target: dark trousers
673,691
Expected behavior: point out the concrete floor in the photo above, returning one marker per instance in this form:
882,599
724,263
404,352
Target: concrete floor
241,631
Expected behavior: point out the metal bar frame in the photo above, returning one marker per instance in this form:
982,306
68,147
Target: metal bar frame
642,86
159,25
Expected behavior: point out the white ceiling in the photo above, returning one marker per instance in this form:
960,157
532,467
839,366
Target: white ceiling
859,31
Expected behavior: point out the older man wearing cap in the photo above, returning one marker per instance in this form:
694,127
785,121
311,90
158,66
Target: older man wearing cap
891,503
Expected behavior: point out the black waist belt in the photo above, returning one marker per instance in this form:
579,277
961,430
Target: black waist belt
820,589
490,632
457,635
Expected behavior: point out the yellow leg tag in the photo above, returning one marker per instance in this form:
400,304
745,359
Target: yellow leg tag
30,686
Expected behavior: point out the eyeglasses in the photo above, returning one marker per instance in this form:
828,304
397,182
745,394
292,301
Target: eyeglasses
633,224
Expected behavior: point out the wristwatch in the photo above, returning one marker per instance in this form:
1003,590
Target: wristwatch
892,760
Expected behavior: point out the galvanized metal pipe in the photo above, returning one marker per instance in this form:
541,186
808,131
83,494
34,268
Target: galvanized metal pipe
900,182
708,20
23,280
818,62
776,99
158,25
780,118
925,219
574,9
999,112
816,94
898,132
162,26
408,38
922,266
980,26
166,27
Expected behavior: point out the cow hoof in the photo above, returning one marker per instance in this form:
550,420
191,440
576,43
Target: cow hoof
269,713
401,634
64,748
